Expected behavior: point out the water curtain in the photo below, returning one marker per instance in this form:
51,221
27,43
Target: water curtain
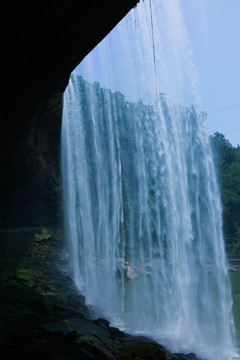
141,200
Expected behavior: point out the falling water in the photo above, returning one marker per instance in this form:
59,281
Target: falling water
142,206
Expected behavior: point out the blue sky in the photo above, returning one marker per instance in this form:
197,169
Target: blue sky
213,27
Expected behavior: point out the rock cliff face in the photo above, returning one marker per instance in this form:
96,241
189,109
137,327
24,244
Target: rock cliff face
41,45
42,315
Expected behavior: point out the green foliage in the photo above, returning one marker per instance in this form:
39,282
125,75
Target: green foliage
227,160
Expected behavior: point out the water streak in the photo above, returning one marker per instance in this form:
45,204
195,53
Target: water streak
140,193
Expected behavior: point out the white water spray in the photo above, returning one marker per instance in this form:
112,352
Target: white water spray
140,194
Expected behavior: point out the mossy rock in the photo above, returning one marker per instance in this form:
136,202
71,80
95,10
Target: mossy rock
143,351
57,326
13,292
96,346
46,234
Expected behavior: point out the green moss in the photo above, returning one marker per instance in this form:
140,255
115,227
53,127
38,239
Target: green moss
45,234
48,293
26,274
88,338
25,279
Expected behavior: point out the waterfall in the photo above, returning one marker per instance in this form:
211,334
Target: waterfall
141,202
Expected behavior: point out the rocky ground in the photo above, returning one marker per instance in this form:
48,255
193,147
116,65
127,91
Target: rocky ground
42,316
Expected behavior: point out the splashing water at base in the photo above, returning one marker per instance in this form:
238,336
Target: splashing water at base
142,207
